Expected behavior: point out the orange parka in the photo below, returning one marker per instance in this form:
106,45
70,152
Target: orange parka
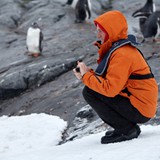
123,62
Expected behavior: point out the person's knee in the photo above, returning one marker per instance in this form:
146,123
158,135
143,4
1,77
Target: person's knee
85,92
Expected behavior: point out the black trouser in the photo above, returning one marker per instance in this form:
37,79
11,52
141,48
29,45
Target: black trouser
117,112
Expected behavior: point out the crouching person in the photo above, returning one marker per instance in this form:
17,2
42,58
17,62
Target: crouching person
122,90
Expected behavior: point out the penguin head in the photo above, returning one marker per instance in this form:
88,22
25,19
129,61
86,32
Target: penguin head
146,10
34,25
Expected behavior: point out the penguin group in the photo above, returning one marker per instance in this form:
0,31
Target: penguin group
34,40
82,9
149,20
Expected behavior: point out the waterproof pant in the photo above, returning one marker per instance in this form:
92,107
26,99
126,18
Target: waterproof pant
117,112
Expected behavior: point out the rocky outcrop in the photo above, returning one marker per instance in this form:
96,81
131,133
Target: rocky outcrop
64,43
47,84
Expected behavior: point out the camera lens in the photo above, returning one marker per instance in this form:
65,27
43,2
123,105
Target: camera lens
77,69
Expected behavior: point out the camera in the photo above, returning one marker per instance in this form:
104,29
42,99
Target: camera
77,69
75,66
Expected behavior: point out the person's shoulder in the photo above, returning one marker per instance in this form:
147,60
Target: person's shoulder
128,51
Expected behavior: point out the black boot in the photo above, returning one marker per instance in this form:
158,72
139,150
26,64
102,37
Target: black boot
110,133
116,137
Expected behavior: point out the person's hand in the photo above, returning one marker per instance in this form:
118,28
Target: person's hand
83,69
77,74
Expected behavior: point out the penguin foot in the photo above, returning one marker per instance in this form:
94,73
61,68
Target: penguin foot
35,55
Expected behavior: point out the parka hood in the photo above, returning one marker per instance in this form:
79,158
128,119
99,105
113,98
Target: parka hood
115,24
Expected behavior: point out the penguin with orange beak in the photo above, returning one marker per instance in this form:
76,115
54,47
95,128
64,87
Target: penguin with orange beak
34,40
82,9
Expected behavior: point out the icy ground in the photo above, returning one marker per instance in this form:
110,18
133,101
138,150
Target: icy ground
35,137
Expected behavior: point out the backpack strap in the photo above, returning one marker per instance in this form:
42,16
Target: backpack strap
102,67
145,76
139,77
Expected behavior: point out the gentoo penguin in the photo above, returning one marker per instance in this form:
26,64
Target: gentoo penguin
82,10
144,12
34,40
152,26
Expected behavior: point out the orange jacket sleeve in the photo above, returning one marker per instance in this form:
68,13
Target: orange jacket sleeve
114,81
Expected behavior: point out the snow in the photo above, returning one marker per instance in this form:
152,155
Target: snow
36,137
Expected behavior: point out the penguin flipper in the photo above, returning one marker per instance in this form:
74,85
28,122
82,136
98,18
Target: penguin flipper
134,13
40,42
89,12
88,9
41,36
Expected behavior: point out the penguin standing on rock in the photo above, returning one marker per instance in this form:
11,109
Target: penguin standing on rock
34,40
152,26
144,12
82,9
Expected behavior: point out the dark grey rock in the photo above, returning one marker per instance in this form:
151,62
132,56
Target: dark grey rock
47,84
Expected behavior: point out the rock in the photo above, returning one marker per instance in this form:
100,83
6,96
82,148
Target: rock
47,83
85,112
